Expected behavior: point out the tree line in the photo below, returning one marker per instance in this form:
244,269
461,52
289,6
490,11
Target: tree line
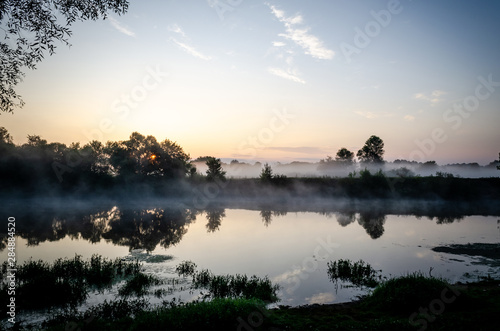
38,165
372,152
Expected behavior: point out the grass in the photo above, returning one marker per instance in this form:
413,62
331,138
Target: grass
406,294
229,286
238,302
217,314
476,307
358,273
66,282
138,285
186,268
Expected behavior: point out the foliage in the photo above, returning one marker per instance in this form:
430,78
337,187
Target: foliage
235,286
407,293
344,155
145,156
217,314
39,166
32,28
372,151
186,268
444,174
229,286
138,285
266,174
358,273
214,171
476,308
66,281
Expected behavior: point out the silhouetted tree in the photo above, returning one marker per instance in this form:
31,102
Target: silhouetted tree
498,167
34,28
214,170
266,175
344,155
6,144
5,137
372,151
144,156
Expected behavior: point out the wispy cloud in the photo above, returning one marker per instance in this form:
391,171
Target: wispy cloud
302,149
278,44
321,298
177,29
371,115
433,98
409,118
190,50
120,27
286,74
311,44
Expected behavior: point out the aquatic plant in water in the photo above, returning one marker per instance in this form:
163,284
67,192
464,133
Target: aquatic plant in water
65,281
358,273
229,286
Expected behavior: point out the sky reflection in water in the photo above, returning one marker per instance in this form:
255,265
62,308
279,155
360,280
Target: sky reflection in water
292,248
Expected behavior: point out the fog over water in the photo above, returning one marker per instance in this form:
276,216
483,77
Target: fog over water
243,169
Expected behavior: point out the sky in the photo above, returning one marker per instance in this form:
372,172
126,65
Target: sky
277,80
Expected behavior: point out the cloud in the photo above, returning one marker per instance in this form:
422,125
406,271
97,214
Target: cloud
190,50
371,115
433,98
289,277
311,44
118,26
278,44
289,74
303,150
177,29
321,298
409,118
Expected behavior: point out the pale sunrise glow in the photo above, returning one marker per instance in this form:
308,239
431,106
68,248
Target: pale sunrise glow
215,79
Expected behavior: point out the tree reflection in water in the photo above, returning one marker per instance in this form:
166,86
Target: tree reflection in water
373,223
147,228
214,218
139,227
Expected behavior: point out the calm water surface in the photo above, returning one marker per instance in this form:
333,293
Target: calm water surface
291,247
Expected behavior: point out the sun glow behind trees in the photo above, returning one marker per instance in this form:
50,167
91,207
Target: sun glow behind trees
224,78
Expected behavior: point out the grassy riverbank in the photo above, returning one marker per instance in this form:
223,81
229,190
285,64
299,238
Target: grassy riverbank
237,302
458,307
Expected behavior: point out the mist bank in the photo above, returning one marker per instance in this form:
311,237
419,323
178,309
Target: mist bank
367,186
397,168
281,188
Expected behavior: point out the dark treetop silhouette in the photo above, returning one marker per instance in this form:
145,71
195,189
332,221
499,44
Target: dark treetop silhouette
372,151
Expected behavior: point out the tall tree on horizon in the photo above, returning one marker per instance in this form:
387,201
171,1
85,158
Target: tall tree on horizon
372,151
215,171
